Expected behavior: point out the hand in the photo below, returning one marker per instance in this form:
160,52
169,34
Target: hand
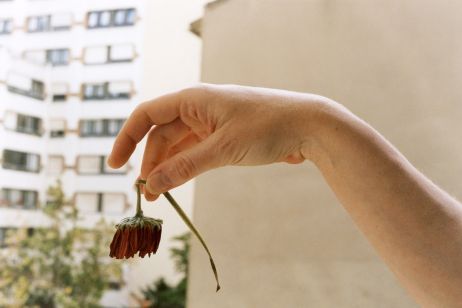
209,126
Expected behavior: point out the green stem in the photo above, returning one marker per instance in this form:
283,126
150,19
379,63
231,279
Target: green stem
188,222
190,225
139,211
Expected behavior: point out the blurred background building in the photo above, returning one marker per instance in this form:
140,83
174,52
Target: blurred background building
70,74
279,236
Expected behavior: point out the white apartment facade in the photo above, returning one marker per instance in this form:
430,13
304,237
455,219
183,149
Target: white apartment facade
69,76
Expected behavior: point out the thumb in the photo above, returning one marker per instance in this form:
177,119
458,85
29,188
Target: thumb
184,166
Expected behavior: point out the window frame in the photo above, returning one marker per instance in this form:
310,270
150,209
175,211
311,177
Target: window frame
53,132
129,18
107,95
102,166
23,166
58,56
45,27
8,202
104,127
36,131
99,208
6,26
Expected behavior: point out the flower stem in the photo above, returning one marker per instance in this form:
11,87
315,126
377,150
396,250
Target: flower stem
191,226
186,220
139,211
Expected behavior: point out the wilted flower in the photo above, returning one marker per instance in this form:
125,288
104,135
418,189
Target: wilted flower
136,234
142,234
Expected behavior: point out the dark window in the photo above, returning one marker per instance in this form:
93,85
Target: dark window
36,91
100,128
30,232
22,161
99,206
95,91
3,236
59,97
28,125
6,26
57,57
114,285
111,18
57,133
39,23
16,198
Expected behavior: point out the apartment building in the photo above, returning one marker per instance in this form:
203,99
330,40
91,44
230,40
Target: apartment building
69,76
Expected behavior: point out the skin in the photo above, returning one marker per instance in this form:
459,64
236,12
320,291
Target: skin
415,226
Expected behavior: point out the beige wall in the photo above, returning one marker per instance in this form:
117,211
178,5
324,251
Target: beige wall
279,236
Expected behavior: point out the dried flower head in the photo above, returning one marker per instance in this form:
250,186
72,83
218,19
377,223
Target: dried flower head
136,234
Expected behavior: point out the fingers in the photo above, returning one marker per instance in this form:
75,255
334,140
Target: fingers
160,139
159,111
185,165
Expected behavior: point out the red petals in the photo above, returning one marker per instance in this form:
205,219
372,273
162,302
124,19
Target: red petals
130,239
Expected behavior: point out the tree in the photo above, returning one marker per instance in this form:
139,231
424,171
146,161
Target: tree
163,295
60,265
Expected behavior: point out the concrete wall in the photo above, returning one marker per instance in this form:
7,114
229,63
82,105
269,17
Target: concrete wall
279,236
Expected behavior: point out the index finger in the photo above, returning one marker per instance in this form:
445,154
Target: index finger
161,110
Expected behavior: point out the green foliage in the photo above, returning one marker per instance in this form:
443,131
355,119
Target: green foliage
60,265
163,295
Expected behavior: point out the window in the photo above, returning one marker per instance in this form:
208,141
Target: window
121,53
109,54
111,18
57,128
28,125
95,91
95,55
22,161
111,203
39,23
25,86
36,56
59,92
58,57
100,128
18,198
61,21
6,26
22,123
107,90
96,164
119,90
37,89
44,23
55,165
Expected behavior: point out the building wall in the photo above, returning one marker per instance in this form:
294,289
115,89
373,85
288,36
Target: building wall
279,236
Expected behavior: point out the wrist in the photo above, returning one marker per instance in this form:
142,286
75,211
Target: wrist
322,115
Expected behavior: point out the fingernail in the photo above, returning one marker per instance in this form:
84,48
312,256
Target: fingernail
158,183
109,161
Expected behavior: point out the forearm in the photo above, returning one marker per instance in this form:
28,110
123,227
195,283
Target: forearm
415,226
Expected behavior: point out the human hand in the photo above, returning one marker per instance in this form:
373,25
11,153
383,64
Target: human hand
209,126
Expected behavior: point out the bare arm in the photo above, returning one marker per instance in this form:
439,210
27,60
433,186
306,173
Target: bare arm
415,226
